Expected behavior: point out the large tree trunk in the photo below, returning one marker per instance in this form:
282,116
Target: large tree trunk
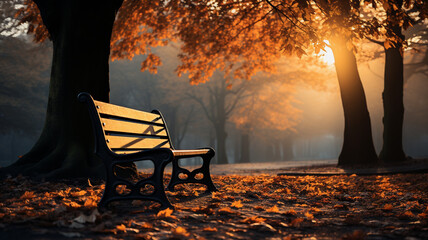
80,31
358,148
393,106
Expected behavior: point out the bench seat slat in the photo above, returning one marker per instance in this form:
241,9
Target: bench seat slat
177,153
123,112
182,153
125,152
134,128
135,142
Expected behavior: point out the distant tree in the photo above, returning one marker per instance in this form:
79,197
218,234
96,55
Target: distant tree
265,112
218,99
24,77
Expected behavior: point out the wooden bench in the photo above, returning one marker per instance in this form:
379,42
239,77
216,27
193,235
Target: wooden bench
124,135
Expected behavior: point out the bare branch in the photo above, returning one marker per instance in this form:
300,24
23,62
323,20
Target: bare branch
204,107
186,124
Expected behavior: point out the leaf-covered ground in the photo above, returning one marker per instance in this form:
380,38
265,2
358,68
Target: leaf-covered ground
246,207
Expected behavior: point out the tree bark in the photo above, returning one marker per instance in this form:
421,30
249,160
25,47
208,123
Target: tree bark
245,147
393,106
358,148
80,31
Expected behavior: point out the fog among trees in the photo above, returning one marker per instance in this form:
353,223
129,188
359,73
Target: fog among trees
309,125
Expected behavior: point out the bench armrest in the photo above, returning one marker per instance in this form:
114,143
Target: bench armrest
192,153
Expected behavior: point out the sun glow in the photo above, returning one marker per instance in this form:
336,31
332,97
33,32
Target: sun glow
326,55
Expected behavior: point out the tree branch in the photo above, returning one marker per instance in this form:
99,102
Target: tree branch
184,129
204,108
375,41
286,16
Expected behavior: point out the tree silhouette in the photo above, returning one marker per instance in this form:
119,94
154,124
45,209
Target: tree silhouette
80,32
400,15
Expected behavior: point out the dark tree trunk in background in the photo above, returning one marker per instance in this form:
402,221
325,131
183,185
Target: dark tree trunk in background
220,126
287,149
276,151
80,31
269,149
172,122
393,106
245,147
221,136
358,148
237,149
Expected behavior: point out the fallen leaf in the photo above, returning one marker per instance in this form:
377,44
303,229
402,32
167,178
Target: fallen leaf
253,219
145,225
121,227
296,222
27,195
209,229
165,213
309,215
180,231
78,194
237,204
225,210
406,215
273,209
387,207
89,203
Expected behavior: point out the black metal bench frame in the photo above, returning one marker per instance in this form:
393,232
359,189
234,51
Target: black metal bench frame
160,156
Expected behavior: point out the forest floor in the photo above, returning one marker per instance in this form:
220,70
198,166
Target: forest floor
261,206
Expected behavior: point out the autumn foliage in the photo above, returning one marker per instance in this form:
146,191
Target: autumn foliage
349,207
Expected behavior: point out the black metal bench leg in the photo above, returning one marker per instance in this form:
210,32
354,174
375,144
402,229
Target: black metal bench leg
176,170
160,191
156,180
207,176
205,170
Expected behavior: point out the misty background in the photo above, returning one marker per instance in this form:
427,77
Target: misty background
295,114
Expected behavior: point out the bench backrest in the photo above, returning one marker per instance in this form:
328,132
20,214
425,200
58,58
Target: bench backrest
127,130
